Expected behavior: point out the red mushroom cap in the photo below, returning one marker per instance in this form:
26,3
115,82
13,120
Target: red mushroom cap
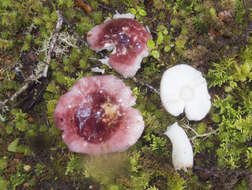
127,37
96,116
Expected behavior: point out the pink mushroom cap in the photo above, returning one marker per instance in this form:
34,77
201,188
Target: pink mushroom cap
128,40
96,116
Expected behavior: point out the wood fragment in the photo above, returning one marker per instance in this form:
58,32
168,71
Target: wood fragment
84,6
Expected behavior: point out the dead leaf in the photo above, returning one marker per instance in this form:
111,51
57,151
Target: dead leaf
83,5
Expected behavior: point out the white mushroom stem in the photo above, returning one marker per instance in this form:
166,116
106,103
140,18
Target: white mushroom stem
182,152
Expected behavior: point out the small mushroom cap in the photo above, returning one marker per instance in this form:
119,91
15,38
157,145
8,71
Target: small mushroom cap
182,152
129,126
184,88
128,40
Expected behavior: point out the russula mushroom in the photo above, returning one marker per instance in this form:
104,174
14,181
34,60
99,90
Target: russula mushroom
184,88
182,152
128,40
96,116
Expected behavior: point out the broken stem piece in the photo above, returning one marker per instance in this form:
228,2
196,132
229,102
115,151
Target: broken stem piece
182,152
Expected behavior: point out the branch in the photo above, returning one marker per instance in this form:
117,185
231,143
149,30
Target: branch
197,135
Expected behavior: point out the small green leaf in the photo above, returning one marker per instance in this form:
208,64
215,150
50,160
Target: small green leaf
51,87
43,128
212,12
155,54
13,146
26,46
3,164
165,32
141,11
245,68
160,38
167,48
133,11
151,44
22,125
9,129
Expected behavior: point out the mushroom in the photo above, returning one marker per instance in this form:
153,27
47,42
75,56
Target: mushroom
128,40
182,152
184,88
96,116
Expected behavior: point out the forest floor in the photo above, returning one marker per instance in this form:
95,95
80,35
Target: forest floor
43,52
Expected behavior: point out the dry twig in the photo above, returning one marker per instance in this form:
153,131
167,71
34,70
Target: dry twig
53,42
197,135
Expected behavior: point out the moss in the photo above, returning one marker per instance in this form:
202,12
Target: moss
202,127
50,109
98,17
235,115
83,63
84,25
174,181
60,78
180,44
159,4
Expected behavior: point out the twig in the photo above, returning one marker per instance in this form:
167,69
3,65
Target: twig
197,135
16,94
53,42
146,85
33,78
